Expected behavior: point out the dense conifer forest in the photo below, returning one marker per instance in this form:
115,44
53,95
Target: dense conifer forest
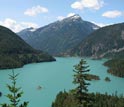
15,52
116,67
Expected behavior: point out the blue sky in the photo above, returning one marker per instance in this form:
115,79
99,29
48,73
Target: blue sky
20,14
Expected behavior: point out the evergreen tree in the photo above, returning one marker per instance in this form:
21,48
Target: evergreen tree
80,78
15,93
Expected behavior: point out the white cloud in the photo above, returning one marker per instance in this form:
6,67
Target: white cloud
77,5
112,14
17,26
91,4
35,10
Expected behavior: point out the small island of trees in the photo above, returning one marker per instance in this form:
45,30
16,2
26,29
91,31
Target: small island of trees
107,79
91,77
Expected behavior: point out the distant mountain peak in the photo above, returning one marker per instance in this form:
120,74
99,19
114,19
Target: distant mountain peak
75,17
59,37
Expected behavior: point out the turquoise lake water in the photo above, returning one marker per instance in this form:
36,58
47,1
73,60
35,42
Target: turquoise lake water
54,77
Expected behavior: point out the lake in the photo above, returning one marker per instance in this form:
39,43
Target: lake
57,76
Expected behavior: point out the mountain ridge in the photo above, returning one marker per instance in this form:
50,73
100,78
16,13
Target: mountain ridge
104,42
59,37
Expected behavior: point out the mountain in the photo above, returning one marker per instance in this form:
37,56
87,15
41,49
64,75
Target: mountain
104,42
15,52
59,37
27,33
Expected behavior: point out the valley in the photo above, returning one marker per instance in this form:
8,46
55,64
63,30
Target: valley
62,54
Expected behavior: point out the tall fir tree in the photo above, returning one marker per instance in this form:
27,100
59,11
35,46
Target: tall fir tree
15,93
81,90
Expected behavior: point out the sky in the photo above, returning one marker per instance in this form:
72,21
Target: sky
20,14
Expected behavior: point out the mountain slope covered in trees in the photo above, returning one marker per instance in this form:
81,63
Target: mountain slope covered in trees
104,42
14,52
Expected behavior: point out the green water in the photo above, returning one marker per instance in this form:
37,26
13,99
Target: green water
54,77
